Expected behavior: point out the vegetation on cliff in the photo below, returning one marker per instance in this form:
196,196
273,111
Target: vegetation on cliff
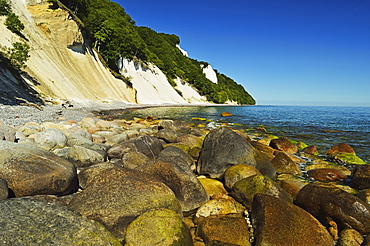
114,34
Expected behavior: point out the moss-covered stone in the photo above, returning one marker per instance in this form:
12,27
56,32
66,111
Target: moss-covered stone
350,158
158,227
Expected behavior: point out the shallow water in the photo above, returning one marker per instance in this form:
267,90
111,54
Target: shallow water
318,125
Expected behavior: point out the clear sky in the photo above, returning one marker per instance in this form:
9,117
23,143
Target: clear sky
284,52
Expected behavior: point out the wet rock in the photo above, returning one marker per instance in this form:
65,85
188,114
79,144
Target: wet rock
158,227
117,139
278,222
312,150
283,144
284,164
182,181
226,114
147,145
326,201
50,139
84,157
223,148
244,190
364,195
7,133
224,230
343,153
30,170
329,165
326,174
190,140
350,237
361,177
264,149
116,196
212,186
176,126
4,191
238,172
32,222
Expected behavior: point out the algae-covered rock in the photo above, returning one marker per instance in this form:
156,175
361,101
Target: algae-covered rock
116,196
237,172
32,222
212,186
245,189
158,227
343,153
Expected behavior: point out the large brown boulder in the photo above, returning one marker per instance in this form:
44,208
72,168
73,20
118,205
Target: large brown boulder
278,222
32,222
283,144
223,148
230,229
327,202
238,172
284,164
116,196
30,170
182,181
361,177
326,174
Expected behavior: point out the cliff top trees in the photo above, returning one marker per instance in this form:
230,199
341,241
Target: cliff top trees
4,7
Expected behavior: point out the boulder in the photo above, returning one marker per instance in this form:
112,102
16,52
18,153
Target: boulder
149,146
350,237
226,114
32,222
84,157
7,133
361,177
312,150
284,164
212,186
238,172
326,201
4,190
167,135
291,186
223,148
228,230
177,155
133,159
158,227
244,190
30,170
182,181
283,144
343,153
50,139
278,222
117,139
326,174
88,173
176,126
221,204
364,195
116,196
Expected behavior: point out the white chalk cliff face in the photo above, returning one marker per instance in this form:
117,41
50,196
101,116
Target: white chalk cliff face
210,74
64,67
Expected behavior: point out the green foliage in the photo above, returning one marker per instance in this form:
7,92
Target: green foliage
18,55
13,23
4,7
115,35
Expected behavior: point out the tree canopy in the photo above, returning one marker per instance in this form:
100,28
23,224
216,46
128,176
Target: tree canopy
115,34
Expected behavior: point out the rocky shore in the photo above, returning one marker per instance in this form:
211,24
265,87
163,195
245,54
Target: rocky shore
68,177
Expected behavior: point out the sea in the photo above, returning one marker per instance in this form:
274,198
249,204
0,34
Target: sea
322,126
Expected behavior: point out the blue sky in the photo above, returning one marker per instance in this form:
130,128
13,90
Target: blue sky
286,52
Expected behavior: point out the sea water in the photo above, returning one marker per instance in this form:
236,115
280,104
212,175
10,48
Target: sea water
318,125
